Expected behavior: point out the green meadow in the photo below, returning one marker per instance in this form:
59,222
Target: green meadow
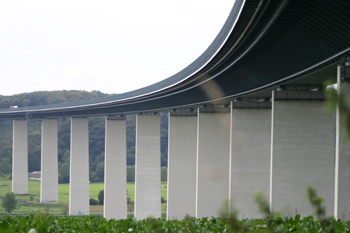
33,206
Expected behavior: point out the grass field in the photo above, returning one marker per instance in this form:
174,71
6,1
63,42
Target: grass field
63,196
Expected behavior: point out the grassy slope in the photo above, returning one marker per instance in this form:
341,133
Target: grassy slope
63,195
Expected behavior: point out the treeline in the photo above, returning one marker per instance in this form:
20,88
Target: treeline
96,136
47,97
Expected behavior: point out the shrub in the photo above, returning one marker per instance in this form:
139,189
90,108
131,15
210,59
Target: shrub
100,197
93,201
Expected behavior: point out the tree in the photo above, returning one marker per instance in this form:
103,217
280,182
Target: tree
100,172
9,202
5,166
130,173
5,103
64,172
101,197
164,173
26,102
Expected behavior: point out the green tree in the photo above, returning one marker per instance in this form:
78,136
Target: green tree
26,102
101,197
164,174
5,166
64,172
130,173
5,103
9,202
100,172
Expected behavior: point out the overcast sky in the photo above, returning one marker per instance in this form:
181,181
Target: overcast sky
110,46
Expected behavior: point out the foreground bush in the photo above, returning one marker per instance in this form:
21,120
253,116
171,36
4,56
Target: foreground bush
49,223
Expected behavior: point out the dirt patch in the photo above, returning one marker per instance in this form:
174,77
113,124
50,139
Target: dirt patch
96,208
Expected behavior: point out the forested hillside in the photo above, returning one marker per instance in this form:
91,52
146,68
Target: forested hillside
96,135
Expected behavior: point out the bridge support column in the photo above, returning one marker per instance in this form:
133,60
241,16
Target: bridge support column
182,156
302,153
342,170
49,162
213,158
250,158
20,157
147,173
79,167
115,198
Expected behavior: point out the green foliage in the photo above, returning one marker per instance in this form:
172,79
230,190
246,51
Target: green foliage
5,166
101,197
272,221
47,97
64,173
164,173
93,201
230,216
48,223
320,209
9,202
130,173
100,172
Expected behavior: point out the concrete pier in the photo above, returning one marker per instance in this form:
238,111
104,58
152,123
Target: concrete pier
182,158
49,162
213,158
115,198
342,170
302,153
20,157
250,159
79,168
147,172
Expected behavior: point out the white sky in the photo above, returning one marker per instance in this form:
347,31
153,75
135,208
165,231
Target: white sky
110,46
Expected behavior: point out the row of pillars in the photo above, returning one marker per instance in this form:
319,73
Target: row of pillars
214,154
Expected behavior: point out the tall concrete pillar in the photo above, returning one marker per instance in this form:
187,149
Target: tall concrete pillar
342,171
115,200
147,173
302,153
79,168
20,157
182,158
49,162
250,158
213,159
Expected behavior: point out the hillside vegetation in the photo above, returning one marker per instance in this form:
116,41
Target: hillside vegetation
96,135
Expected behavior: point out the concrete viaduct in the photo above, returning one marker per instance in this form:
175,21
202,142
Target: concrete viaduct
246,116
